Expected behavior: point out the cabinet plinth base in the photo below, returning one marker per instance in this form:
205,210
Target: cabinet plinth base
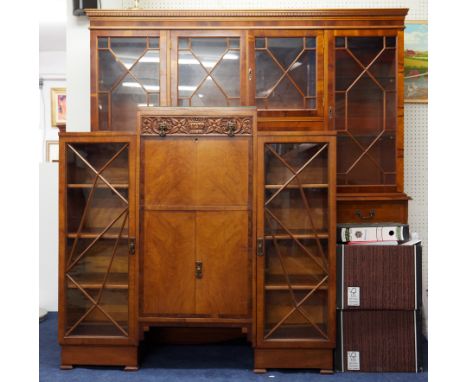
97,355
293,358
326,371
66,367
259,371
131,368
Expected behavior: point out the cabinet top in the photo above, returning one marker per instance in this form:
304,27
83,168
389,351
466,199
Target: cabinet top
319,13
247,19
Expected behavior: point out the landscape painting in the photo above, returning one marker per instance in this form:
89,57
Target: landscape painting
416,62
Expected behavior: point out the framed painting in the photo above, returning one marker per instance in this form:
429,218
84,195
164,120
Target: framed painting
58,98
416,62
52,151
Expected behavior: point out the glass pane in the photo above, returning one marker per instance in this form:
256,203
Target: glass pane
296,241
153,99
267,73
184,43
285,50
146,71
190,74
285,96
126,99
109,70
260,42
365,48
298,157
365,109
295,56
303,73
310,42
103,109
307,323
103,42
340,42
227,73
209,94
209,71
209,50
97,248
234,43
347,70
128,50
154,42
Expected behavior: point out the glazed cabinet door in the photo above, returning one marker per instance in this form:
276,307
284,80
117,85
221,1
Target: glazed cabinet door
128,70
286,73
97,239
366,109
296,236
207,68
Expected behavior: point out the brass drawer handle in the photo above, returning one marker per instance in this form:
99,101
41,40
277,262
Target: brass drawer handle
231,128
370,216
162,129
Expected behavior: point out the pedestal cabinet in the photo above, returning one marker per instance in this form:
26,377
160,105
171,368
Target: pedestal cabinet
98,250
212,201
295,251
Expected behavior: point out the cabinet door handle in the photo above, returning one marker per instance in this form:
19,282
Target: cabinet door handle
250,74
330,112
362,217
131,246
198,269
260,247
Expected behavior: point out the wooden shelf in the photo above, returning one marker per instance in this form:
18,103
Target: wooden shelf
99,185
112,233
307,287
297,235
296,186
94,281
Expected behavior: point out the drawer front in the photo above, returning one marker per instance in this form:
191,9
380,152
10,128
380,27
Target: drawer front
374,211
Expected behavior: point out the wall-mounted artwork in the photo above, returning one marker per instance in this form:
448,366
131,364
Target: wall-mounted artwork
416,62
59,106
52,151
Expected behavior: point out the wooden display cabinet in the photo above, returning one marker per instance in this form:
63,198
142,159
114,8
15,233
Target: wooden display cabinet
295,251
97,306
304,70
329,80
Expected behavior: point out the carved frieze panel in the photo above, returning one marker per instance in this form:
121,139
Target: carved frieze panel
175,125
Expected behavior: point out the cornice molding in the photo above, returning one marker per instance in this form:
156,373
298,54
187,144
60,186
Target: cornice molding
299,13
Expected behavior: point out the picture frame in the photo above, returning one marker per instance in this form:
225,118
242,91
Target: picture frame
416,71
58,98
52,151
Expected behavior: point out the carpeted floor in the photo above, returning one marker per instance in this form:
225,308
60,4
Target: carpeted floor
214,363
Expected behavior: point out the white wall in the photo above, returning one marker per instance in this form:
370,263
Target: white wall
52,67
78,73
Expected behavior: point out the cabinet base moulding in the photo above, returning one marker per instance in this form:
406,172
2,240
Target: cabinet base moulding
96,355
293,358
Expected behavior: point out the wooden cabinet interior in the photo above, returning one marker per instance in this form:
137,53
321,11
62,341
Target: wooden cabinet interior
176,212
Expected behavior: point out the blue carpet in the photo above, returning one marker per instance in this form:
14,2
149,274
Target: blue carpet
229,362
